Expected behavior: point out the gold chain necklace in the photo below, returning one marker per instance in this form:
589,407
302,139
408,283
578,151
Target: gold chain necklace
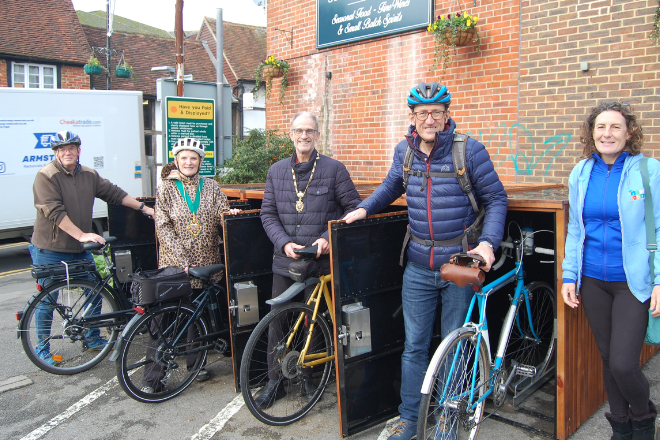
299,204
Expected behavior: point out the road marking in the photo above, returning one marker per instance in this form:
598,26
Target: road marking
388,426
52,423
218,422
13,245
14,383
14,272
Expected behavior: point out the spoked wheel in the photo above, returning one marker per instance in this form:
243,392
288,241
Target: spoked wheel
63,331
534,332
299,388
152,365
448,412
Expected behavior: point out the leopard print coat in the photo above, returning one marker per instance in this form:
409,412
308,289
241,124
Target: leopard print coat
177,246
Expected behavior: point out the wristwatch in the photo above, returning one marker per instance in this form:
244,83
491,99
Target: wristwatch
142,206
487,243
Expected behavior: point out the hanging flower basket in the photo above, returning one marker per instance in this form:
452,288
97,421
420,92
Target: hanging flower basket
463,37
123,71
93,66
270,71
93,70
271,68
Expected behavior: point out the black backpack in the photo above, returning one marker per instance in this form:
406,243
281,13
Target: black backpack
472,233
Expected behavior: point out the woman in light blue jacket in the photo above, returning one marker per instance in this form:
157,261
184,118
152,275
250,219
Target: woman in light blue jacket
606,260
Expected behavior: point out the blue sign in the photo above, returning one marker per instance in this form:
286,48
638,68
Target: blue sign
43,139
343,21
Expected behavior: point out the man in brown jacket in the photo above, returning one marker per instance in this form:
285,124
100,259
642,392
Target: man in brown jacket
64,193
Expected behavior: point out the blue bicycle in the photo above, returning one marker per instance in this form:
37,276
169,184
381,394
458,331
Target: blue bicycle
461,375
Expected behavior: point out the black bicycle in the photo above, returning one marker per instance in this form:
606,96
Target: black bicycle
162,349
73,320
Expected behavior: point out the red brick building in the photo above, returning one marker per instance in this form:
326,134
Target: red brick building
28,55
524,95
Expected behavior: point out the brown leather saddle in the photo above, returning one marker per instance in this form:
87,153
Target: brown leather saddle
463,270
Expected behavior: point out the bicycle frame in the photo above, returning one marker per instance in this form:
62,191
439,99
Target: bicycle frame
311,360
480,299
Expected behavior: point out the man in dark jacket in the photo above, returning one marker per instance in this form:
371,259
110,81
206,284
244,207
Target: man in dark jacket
302,194
438,211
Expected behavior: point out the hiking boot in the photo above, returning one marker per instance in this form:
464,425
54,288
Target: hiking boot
269,394
98,343
45,356
404,430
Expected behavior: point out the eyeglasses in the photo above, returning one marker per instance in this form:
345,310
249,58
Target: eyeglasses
437,115
308,131
70,149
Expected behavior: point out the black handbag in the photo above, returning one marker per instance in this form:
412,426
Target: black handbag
151,286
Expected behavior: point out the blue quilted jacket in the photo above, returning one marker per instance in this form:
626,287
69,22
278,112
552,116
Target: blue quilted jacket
442,210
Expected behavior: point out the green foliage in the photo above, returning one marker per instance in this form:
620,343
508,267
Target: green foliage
253,156
101,267
655,34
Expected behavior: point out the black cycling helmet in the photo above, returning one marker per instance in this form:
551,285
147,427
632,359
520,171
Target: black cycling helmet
64,138
431,93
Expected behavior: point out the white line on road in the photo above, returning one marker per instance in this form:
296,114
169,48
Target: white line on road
52,423
218,422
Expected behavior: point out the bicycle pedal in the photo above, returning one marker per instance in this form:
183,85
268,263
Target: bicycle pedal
526,370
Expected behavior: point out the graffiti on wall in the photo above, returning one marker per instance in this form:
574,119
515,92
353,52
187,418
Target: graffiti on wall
525,161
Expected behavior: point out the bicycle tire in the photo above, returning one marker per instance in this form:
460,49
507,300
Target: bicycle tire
147,357
439,417
523,346
299,398
63,340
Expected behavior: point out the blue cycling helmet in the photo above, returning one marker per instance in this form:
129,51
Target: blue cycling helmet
431,93
64,138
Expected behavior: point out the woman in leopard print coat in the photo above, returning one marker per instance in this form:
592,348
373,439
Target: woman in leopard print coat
177,246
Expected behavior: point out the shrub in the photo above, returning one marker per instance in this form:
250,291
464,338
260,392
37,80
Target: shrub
253,156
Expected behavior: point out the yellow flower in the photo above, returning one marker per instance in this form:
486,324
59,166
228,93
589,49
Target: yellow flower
428,28
468,22
442,17
465,14
435,26
476,19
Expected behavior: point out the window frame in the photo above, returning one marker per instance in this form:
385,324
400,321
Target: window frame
26,74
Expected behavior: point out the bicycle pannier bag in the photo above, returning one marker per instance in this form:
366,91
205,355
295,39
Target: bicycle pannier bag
461,271
164,284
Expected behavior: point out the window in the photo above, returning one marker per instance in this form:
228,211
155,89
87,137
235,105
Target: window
33,76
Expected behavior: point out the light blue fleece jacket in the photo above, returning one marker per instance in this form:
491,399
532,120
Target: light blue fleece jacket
633,228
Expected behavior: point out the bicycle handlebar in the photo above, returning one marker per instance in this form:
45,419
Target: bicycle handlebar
93,246
538,250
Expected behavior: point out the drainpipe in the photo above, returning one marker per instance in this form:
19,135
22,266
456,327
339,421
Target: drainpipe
219,45
178,25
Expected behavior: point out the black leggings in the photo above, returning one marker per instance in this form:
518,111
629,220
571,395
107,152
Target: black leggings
618,321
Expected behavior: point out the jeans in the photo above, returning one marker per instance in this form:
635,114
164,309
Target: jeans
422,290
44,312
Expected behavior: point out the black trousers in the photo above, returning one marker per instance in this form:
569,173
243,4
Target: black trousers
618,321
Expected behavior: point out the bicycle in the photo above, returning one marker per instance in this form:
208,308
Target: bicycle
301,353
461,374
72,303
162,349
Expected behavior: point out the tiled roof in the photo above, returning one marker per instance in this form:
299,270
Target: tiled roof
42,30
143,52
97,19
244,46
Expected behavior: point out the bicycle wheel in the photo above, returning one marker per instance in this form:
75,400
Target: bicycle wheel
152,366
541,317
61,331
446,412
303,387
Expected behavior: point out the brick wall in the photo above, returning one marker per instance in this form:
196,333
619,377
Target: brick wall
3,73
363,106
74,77
523,96
555,95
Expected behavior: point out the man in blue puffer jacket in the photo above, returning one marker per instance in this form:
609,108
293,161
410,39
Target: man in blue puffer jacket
438,210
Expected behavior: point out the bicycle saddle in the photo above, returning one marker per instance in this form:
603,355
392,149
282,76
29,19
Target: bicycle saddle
204,272
463,270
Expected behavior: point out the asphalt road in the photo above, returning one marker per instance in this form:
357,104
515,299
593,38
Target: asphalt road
91,405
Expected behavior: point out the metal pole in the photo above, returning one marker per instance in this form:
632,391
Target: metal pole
178,26
107,43
220,157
